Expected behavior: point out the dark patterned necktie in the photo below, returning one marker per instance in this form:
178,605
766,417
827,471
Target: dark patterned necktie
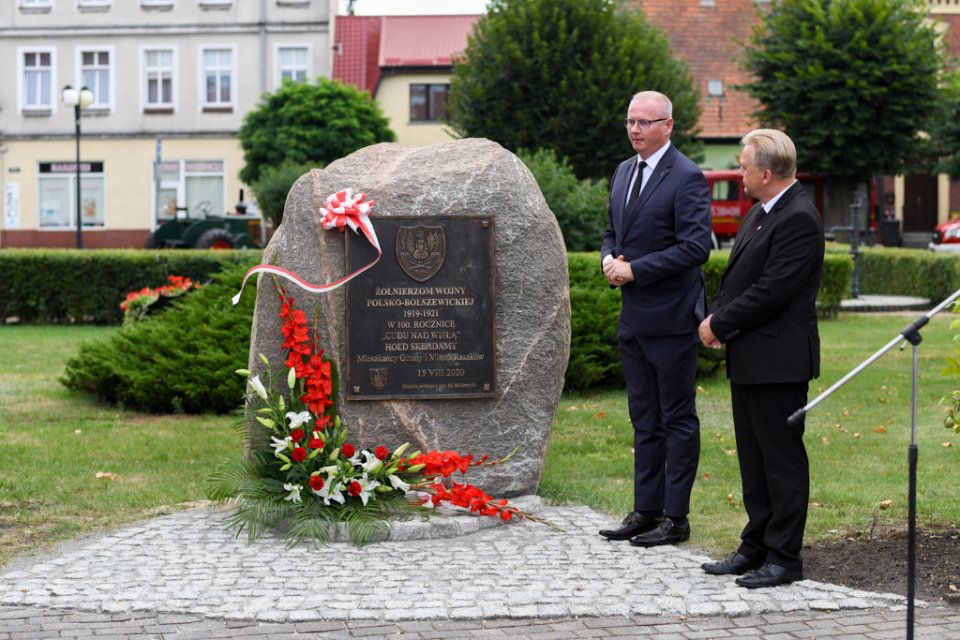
637,183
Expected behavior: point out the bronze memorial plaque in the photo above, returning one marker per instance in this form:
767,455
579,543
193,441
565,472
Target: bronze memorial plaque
421,322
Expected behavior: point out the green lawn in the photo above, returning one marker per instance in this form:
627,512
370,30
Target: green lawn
55,442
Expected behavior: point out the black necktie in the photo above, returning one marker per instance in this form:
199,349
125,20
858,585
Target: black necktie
637,183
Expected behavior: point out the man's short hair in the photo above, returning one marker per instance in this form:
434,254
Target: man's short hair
664,101
773,150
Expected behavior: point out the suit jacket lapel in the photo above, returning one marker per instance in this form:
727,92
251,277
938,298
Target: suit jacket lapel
659,173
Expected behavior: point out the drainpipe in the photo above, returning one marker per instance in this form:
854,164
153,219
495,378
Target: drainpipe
263,47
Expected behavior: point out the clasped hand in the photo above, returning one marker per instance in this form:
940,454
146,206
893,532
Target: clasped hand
618,272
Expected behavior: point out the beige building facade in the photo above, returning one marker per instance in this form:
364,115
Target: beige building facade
170,82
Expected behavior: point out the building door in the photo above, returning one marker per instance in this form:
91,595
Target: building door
920,203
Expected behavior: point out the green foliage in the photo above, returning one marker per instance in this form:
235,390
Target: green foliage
595,312
273,186
896,271
851,81
87,286
181,360
309,124
559,74
580,206
945,132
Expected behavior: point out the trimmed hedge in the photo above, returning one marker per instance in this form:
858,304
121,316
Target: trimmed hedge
595,311
54,286
894,271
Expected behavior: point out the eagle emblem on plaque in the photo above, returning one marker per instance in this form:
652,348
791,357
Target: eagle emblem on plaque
421,250
378,377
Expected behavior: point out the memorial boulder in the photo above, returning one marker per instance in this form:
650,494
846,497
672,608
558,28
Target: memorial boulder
458,337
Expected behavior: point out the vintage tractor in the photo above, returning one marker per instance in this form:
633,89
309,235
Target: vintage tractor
200,229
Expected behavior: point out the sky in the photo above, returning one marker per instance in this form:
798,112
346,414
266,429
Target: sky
414,7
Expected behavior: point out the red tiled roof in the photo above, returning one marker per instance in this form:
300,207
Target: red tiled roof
356,51
423,41
703,37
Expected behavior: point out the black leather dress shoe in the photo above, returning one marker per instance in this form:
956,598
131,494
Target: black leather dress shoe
634,524
735,565
664,533
769,575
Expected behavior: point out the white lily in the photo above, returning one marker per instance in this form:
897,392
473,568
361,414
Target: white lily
397,483
279,446
258,387
422,497
331,491
366,487
294,490
298,419
371,463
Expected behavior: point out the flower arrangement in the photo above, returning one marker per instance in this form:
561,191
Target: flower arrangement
304,474
137,304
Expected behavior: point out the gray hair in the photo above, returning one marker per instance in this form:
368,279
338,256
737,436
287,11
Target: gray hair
658,97
773,150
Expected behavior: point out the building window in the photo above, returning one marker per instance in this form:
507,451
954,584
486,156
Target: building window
293,63
159,67
93,5
217,78
36,6
58,195
428,102
36,76
159,5
715,88
216,4
96,74
195,187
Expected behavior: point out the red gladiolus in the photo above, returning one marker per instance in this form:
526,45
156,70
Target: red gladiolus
348,450
315,443
316,483
299,454
442,462
355,489
381,452
296,435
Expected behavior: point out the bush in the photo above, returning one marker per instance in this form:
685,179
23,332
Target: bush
181,360
87,286
274,185
580,206
895,271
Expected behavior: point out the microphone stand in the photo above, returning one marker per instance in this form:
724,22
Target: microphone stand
912,335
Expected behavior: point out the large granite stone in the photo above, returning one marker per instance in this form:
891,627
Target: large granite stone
458,178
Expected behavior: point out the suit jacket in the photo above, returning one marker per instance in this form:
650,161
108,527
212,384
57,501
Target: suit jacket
765,308
666,238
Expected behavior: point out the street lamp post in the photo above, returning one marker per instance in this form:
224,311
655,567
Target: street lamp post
78,99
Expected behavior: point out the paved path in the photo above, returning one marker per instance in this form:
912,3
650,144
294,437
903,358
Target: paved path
182,576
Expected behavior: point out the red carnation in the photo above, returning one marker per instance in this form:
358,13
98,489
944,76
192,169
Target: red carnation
381,452
348,450
296,435
299,454
316,443
316,483
355,488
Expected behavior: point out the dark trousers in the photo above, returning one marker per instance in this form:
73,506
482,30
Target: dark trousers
774,470
661,377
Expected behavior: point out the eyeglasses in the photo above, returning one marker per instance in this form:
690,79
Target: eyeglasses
643,124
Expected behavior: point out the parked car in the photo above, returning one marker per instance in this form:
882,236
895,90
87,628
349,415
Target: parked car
946,237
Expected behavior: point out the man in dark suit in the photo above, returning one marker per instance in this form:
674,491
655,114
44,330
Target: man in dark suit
765,311
657,238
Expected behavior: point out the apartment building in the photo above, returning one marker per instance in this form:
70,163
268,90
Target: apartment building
169,83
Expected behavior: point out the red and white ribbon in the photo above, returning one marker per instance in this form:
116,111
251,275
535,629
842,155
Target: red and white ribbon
340,210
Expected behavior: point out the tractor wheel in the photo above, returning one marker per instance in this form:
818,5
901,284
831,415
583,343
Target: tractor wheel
152,242
215,239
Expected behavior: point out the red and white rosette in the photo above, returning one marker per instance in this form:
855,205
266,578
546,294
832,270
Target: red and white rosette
340,210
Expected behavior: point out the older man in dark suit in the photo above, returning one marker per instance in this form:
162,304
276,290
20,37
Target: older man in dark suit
765,312
657,238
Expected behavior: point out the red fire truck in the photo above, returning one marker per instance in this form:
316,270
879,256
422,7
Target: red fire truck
729,204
